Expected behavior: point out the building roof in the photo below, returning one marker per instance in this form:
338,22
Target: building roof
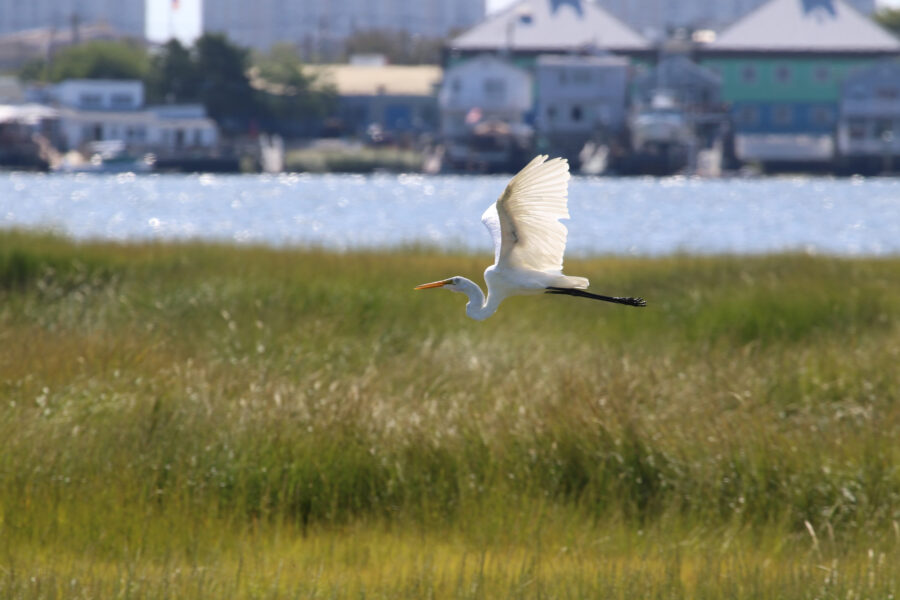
805,26
551,25
393,80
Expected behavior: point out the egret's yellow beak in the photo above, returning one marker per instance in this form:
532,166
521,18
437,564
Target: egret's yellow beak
434,284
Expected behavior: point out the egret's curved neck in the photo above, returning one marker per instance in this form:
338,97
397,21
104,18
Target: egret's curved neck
478,308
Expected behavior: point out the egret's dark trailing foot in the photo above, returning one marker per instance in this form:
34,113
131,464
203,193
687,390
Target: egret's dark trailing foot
627,301
529,242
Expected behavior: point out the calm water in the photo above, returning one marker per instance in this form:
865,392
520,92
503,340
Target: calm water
618,216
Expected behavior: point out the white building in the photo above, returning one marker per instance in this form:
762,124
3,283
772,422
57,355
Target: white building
869,123
99,94
96,110
315,25
125,16
654,18
485,88
578,95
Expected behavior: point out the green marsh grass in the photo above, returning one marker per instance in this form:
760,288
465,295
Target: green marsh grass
205,421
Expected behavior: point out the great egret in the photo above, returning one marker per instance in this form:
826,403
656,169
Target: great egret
529,242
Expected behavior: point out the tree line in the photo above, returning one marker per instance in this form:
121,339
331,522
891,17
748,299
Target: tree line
239,89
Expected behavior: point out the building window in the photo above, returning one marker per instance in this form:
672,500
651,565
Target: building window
90,101
747,115
581,76
604,114
783,74
885,93
551,113
577,113
857,129
456,85
563,77
748,74
783,115
122,101
822,116
884,129
857,92
495,89
822,74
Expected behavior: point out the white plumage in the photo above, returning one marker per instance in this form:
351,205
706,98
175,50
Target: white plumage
527,217
529,242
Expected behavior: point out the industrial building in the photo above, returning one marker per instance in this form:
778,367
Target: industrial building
318,26
124,16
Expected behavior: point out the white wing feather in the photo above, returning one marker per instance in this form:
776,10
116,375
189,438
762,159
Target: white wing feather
524,222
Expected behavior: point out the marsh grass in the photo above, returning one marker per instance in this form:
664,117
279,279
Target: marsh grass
196,420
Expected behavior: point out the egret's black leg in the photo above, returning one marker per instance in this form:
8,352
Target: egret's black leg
583,294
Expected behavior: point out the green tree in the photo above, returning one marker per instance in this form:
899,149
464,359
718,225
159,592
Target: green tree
224,86
33,70
174,75
289,90
92,60
889,18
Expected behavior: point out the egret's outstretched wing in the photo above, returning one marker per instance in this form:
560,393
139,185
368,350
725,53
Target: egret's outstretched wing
524,222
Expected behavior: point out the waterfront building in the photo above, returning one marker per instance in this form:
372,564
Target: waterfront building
486,106
694,88
381,98
868,136
487,88
529,28
320,27
551,41
656,18
782,68
102,110
579,98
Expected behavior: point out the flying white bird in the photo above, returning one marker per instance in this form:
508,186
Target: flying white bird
529,242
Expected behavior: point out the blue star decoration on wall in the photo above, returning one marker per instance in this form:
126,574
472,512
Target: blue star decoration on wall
811,5
575,4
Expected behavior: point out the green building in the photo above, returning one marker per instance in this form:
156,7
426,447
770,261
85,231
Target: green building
782,68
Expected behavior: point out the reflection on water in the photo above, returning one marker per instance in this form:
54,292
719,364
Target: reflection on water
617,216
